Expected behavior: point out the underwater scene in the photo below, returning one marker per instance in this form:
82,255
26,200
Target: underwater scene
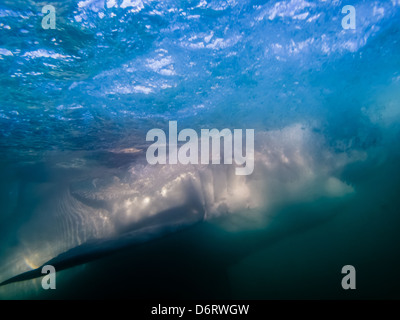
199,149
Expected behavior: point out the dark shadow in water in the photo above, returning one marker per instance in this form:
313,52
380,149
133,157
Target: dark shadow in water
178,264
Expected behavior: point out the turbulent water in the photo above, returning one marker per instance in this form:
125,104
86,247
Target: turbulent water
76,190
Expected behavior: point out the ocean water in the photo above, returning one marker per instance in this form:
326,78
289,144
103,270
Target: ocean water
77,192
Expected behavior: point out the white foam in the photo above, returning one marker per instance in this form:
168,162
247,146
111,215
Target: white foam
292,165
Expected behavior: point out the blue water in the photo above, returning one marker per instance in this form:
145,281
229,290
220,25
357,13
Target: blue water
76,103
